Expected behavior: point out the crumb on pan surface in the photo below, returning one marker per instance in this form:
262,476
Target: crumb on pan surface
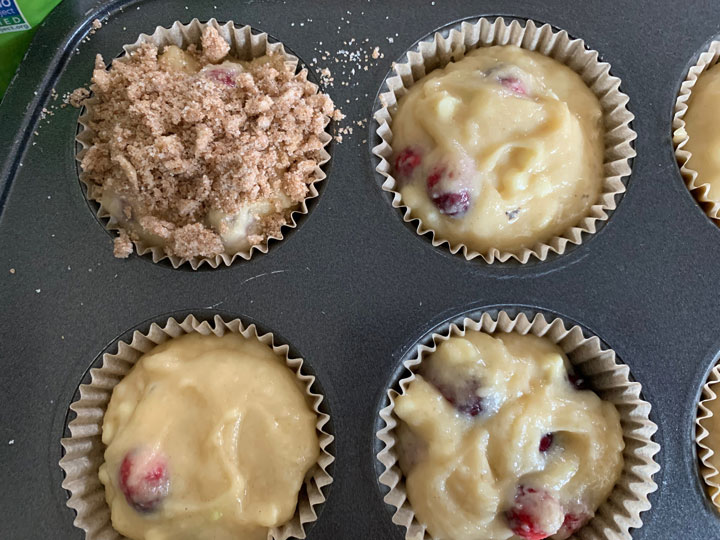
199,152
78,96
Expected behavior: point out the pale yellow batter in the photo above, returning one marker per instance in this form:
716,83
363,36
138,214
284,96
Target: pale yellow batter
502,149
496,442
702,122
207,438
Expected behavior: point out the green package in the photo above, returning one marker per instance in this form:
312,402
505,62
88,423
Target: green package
18,22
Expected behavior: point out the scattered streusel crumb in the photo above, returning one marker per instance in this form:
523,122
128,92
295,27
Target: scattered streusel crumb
96,24
180,138
122,247
12,270
78,96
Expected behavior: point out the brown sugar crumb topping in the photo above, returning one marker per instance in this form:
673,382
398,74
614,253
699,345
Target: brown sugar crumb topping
122,247
180,134
78,96
214,47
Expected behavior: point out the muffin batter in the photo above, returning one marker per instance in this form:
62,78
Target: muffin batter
502,149
207,438
498,440
200,153
701,123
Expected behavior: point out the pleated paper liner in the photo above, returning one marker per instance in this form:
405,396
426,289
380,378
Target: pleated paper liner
84,449
440,50
700,190
611,380
244,45
707,435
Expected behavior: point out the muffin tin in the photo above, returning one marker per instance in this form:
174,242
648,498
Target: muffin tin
353,289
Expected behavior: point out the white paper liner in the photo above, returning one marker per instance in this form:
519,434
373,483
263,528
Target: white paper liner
709,472
700,190
440,50
84,450
621,512
244,45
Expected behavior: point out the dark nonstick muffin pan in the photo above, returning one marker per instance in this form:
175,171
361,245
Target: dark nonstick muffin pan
353,288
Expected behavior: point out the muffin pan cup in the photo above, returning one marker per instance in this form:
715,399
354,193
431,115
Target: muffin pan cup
610,380
706,423
700,190
84,449
244,45
353,286
439,50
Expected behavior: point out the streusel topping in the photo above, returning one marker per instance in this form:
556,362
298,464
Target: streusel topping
199,156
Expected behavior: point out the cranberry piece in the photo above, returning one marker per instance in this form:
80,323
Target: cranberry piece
530,509
407,161
524,526
434,177
471,406
546,442
450,203
462,396
577,381
222,76
144,479
513,84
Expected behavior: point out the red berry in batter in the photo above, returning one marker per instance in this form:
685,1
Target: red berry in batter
433,179
546,442
530,511
514,85
407,161
524,526
222,76
452,203
144,479
462,395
